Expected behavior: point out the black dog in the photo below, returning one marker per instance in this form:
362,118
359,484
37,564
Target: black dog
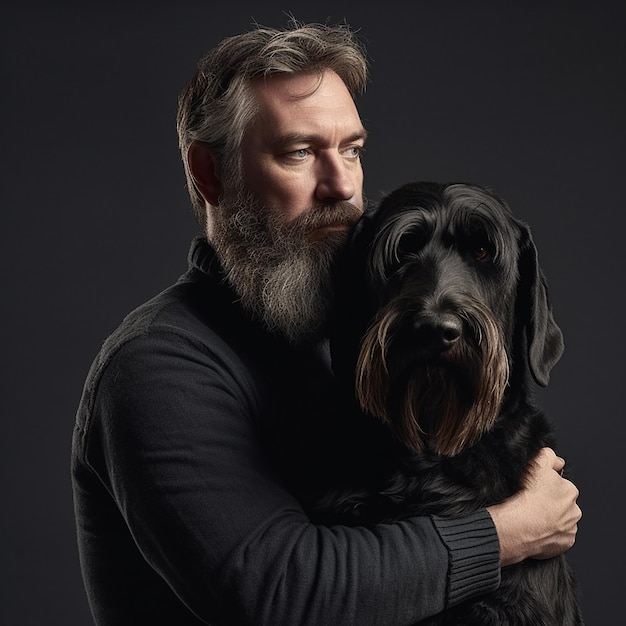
443,316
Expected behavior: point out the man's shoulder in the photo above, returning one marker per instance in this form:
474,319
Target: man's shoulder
193,307
185,326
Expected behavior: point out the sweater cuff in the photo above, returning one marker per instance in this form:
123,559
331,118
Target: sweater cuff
473,553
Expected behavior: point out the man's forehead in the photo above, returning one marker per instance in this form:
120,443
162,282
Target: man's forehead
299,107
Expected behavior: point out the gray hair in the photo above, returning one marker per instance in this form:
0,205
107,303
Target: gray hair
217,106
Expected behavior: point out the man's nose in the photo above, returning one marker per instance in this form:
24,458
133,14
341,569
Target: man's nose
336,179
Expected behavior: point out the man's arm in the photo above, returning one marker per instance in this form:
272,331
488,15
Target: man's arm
173,441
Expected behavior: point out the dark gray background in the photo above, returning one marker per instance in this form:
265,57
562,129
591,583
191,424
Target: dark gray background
525,97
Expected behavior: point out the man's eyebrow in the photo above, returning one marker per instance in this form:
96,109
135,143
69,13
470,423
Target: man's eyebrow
296,138
361,135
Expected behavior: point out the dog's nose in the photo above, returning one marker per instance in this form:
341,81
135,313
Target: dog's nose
449,331
438,333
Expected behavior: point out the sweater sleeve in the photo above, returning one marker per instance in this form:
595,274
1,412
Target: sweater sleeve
170,436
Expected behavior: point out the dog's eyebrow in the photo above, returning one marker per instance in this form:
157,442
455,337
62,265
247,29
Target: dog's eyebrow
480,212
491,219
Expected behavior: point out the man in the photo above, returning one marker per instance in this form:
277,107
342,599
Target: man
208,415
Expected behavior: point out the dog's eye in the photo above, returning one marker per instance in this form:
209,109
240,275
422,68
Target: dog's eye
479,246
481,253
410,243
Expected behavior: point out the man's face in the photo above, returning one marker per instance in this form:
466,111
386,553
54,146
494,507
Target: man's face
303,150
277,231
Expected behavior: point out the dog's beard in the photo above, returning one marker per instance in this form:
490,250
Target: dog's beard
445,403
281,270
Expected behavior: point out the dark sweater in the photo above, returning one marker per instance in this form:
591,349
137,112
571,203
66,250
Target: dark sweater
198,437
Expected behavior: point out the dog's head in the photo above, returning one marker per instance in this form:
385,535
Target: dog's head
441,304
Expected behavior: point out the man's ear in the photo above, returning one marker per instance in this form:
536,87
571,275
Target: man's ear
204,171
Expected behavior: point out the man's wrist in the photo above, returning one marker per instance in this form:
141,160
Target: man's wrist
510,539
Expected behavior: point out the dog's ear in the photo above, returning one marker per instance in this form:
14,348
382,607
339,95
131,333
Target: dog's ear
544,337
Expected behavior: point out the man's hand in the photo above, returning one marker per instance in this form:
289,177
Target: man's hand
541,520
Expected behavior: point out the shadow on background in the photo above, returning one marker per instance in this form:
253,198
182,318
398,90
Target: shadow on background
528,100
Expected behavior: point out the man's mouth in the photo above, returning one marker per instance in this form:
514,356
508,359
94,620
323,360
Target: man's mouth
322,231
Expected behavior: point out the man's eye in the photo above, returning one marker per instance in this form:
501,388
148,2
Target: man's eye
302,153
354,152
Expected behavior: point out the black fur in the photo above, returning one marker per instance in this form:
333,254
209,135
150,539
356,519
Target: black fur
431,258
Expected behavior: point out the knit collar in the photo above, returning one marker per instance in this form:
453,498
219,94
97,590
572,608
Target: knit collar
202,257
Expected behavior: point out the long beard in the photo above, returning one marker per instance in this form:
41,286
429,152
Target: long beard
282,271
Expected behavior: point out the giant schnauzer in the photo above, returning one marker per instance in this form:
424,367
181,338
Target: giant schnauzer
443,317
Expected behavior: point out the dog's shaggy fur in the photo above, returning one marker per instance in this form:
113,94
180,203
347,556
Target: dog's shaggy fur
443,317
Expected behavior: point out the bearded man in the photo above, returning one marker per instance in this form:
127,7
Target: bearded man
204,417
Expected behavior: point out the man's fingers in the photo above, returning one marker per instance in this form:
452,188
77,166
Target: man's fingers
549,456
559,464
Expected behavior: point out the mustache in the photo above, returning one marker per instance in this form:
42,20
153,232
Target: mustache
336,214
